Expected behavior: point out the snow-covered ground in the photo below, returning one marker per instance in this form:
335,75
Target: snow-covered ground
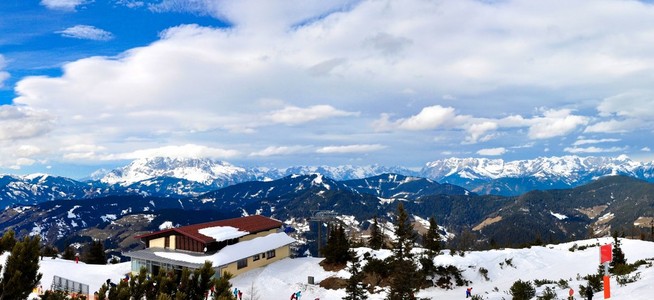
280,279
553,262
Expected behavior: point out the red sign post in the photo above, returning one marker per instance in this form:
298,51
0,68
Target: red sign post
606,253
606,256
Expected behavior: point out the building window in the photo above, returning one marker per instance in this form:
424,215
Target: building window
270,254
242,263
255,257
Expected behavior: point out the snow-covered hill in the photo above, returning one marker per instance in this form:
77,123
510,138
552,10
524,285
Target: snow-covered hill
552,262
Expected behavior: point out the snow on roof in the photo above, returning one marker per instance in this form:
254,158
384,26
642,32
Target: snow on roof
234,252
222,233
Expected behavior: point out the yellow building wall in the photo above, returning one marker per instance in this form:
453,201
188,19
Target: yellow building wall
157,243
260,234
161,242
280,253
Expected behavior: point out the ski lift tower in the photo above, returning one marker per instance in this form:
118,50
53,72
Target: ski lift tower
321,217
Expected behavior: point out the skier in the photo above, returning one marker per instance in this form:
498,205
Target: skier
235,293
469,292
240,295
298,295
293,296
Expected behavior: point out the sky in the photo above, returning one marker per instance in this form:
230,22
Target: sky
86,84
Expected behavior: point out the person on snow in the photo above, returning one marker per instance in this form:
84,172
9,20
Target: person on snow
469,292
298,295
240,295
235,293
589,293
293,296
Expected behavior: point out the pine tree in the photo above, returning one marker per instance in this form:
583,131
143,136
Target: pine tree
69,253
354,289
337,249
7,241
96,254
223,288
618,256
21,271
431,240
405,277
376,240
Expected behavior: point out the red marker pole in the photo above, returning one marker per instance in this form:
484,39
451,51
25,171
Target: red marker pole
606,256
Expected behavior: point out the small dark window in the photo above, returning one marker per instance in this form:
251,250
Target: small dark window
242,263
255,257
270,254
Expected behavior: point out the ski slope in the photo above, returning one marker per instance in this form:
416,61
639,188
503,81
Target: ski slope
280,279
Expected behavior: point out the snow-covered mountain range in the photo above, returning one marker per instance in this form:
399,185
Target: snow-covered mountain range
190,177
496,176
481,175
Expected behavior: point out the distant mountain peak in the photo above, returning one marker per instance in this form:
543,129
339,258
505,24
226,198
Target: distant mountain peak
202,170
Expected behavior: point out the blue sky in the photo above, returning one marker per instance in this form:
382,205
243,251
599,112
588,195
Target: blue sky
96,83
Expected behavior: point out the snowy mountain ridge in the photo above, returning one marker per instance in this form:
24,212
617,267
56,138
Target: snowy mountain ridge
496,176
202,170
570,167
480,175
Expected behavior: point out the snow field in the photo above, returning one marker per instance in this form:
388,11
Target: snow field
280,279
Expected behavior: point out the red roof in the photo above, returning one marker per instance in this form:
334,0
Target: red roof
251,224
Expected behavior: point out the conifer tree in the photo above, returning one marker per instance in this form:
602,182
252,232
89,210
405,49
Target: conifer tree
96,254
69,253
223,288
354,289
431,240
405,277
618,256
7,241
337,249
376,240
21,271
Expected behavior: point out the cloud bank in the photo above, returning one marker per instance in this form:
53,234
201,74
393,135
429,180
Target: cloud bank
352,78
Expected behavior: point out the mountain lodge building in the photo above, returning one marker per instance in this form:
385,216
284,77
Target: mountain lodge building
233,245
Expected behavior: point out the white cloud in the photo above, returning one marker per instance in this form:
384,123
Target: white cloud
430,117
293,115
614,126
131,3
383,58
492,151
188,150
635,104
593,149
82,151
18,122
280,150
477,132
86,32
555,123
592,141
28,150
351,149
66,5
645,149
